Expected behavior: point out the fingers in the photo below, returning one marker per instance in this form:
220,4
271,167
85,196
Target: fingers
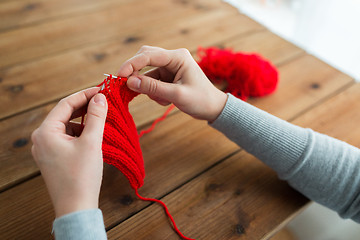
161,74
163,92
142,59
156,57
64,110
95,120
160,101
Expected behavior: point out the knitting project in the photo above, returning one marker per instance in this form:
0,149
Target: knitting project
121,147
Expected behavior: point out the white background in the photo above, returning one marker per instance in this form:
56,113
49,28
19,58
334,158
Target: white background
328,29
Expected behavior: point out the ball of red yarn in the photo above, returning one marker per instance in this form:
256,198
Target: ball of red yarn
121,147
246,75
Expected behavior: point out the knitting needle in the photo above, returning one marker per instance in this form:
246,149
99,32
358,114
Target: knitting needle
113,76
108,75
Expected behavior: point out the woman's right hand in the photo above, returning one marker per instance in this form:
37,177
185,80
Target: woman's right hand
177,79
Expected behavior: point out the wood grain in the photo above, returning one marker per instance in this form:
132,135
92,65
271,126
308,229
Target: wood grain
337,117
259,42
233,200
51,37
37,82
16,162
304,82
15,14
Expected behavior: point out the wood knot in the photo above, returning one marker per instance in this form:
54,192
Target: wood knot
212,187
201,7
16,88
31,6
131,39
238,192
239,229
184,2
20,142
315,86
220,46
99,56
126,200
184,31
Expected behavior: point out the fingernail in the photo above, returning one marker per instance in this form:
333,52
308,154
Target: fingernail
100,99
134,83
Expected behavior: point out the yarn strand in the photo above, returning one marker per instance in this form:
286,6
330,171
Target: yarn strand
166,211
172,106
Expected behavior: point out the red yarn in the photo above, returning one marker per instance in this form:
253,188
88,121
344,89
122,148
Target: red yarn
121,146
246,75
167,213
172,106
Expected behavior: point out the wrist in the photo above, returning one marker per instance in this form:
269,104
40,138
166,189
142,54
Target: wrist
217,105
69,205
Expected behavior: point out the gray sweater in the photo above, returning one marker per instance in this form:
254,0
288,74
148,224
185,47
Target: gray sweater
322,168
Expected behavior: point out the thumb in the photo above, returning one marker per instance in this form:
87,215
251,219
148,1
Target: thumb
155,89
95,119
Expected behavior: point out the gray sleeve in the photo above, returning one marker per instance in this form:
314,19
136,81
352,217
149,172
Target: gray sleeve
86,224
322,168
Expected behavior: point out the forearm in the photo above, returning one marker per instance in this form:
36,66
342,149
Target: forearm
86,224
322,168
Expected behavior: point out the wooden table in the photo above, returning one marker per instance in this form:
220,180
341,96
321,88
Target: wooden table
215,190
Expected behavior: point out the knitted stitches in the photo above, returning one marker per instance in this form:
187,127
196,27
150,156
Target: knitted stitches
121,146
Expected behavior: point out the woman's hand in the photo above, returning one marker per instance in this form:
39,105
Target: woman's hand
177,79
69,156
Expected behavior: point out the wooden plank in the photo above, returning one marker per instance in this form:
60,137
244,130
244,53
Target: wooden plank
15,14
63,34
51,78
16,162
117,198
52,37
240,198
338,117
269,45
303,82
9,218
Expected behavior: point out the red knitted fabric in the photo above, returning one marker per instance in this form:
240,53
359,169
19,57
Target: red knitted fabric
246,75
121,146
